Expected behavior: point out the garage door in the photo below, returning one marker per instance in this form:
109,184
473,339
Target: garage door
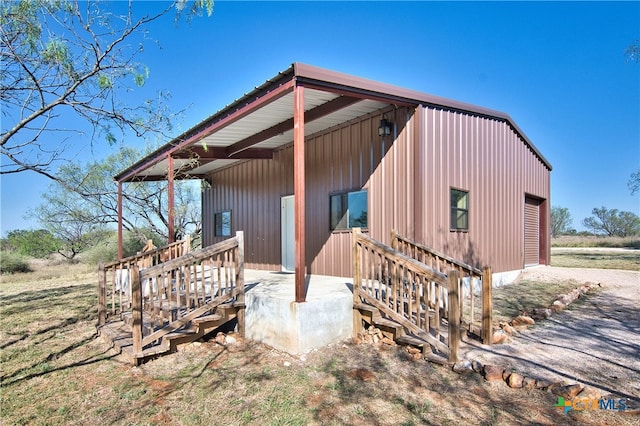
531,231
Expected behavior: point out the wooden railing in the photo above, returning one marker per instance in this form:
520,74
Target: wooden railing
167,296
472,283
422,300
116,276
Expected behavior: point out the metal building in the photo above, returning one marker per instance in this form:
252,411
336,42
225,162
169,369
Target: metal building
312,153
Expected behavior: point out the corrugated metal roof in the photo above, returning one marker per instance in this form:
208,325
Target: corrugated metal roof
271,104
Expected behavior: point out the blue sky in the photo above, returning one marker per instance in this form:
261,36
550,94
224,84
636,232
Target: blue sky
557,68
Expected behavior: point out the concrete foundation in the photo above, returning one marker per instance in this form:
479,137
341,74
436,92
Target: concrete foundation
503,278
272,317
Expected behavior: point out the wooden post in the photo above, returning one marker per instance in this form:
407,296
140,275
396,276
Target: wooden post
186,248
171,200
136,310
240,282
394,240
357,282
454,316
120,244
487,306
102,294
299,194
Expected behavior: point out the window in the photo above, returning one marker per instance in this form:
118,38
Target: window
222,222
348,210
459,210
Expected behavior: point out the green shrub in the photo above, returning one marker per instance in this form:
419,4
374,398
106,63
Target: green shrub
11,263
106,249
38,243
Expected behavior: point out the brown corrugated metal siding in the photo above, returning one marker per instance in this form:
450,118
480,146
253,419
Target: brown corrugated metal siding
408,176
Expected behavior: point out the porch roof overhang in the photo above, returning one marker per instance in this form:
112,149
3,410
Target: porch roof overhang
262,121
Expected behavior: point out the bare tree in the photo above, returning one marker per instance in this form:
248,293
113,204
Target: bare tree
89,201
613,222
67,58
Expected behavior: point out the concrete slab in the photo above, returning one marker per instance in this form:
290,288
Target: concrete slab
273,317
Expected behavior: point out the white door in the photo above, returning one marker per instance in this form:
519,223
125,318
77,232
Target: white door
288,233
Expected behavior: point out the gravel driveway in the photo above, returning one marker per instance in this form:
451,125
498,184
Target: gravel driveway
595,342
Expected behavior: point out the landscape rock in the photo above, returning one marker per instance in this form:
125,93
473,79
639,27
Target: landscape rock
220,337
542,384
554,387
413,350
585,289
515,380
567,392
499,337
558,306
590,393
492,373
529,383
507,328
230,340
541,314
521,320
388,341
462,367
506,374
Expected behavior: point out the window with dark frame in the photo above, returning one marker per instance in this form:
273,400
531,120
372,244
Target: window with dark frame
459,210
222,222
349,210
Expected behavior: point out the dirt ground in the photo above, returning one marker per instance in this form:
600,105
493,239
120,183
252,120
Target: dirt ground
594,342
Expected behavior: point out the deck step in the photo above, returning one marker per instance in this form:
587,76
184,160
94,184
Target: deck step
372,314
410,340
179,337
119,332
207,318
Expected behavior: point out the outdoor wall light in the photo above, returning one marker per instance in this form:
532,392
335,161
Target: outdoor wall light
385,127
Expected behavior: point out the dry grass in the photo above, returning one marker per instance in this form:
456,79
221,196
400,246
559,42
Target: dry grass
523,296
54,371
595,241
596,258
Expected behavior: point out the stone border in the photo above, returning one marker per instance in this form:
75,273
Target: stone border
492,373
513,379
516,380
523,321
